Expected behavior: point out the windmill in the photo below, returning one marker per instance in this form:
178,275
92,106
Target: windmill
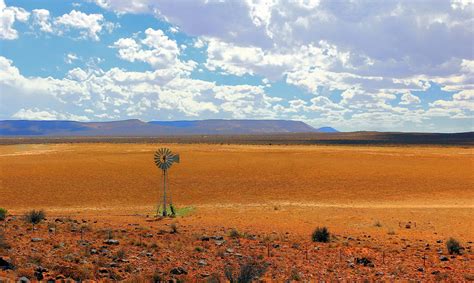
164,158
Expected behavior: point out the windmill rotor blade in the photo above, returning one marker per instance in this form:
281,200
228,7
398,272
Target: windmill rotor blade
176,158
164,158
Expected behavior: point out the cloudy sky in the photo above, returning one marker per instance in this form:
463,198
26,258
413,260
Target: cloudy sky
353,65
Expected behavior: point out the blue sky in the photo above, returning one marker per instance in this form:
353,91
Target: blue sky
360,65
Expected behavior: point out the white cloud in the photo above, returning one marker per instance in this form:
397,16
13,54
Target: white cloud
88,25
120,94
317,42
409,99
42,19
8,16
36,114
70,58
156,49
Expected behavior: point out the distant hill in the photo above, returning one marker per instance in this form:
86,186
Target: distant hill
154,128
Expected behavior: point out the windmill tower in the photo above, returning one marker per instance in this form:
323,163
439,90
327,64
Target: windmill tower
164,158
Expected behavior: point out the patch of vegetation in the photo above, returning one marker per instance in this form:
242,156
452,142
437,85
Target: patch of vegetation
35,216
321,235
199,249
3,242
250,271
378,224
157,277
453,246
294,275
3,213
174,228
234,233
120,254
184,211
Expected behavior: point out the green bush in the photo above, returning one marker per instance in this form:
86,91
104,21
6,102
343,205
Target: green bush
321,235
35,216
453,246
3,213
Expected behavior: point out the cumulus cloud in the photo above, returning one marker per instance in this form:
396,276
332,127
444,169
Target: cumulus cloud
408,99
88,25
401,41
119,94
8,16
156,49
42,19
48,114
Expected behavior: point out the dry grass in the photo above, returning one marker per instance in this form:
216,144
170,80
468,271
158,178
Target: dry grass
341,187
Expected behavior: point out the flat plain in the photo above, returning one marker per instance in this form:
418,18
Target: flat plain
394,205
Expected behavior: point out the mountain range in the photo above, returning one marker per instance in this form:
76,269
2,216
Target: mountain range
136,127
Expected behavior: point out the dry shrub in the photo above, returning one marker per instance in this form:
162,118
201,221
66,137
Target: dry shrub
321,234
35,216
453,246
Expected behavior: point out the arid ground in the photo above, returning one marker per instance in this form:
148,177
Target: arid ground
394,206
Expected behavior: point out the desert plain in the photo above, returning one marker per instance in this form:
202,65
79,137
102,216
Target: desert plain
389,209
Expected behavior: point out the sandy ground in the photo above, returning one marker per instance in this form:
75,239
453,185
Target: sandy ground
289,187
286,190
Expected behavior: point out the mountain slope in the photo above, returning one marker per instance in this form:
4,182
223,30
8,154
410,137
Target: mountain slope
154,128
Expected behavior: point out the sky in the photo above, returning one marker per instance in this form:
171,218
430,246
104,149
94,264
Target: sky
352,65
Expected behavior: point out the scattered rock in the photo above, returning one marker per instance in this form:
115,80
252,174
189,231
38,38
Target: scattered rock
93,251
39,272
5,264
205,238
178,271
379,273
436,272
443,258
421,269
202,262
35,240
24,280
364,261
111,242
408,226
439,241
229,250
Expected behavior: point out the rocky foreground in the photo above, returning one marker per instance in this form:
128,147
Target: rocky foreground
153,249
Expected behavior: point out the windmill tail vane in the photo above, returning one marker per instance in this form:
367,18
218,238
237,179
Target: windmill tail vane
164,159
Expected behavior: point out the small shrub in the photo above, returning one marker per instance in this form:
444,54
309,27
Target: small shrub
121,254
157,277
453,246
234,233
174,228
3,213
35,216
378,224
321,235
294,275
249,272
199,249
3,243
